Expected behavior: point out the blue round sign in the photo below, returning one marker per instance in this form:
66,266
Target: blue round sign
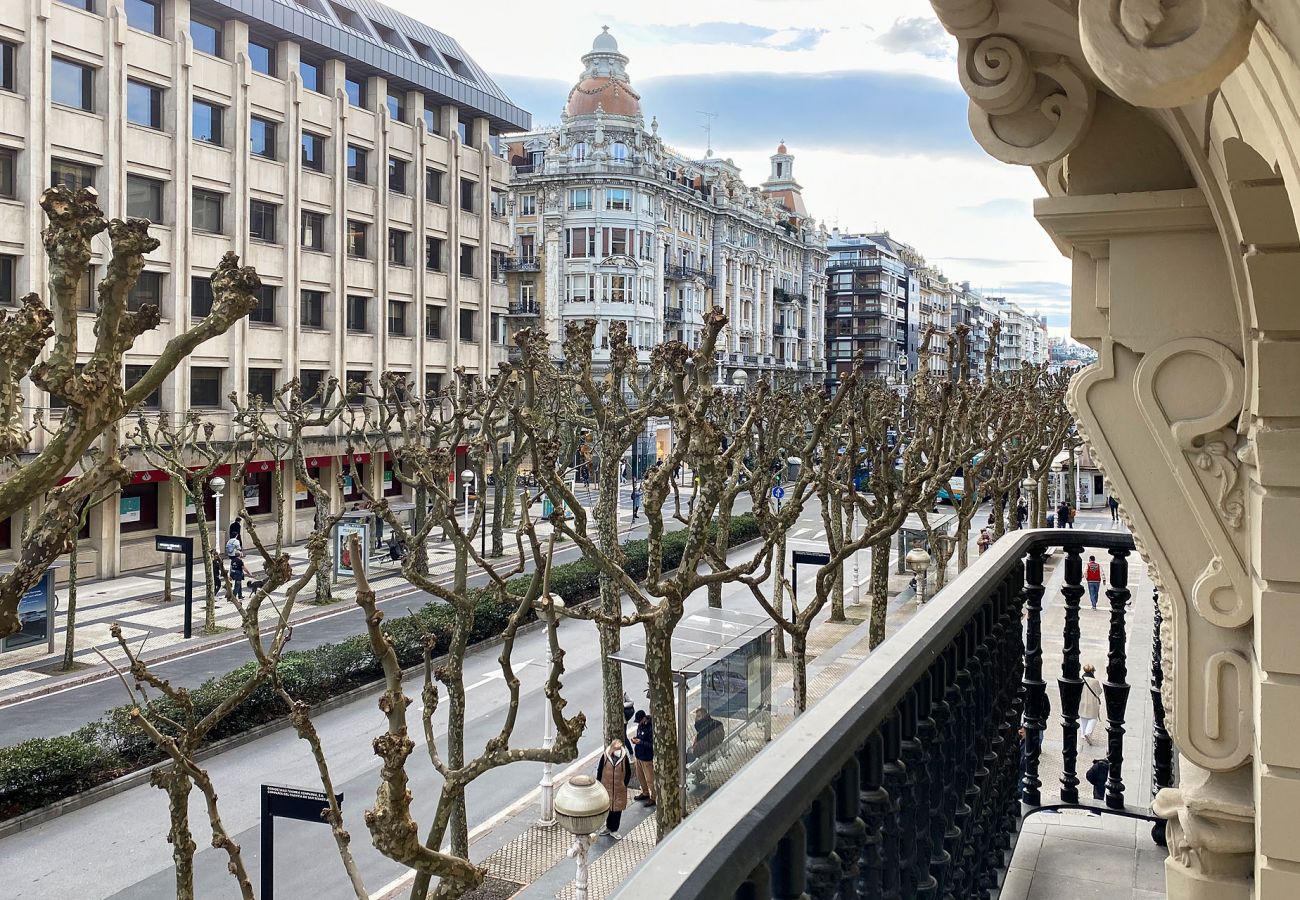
778,492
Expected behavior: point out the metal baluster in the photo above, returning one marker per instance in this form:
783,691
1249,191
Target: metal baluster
1116,686
789,864
909,751
990,717
892,777
1013,679
973,698
1162,747
1037,705
875,811
824,870
940,776
850,830
955,809
926,886
758,886
1070,684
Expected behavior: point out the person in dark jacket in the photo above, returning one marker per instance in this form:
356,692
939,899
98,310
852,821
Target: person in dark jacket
218,571
236,530
237,573
708,733
1098,772
614,771
643,749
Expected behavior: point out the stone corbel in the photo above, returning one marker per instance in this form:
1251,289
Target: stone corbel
1210,833
1165,53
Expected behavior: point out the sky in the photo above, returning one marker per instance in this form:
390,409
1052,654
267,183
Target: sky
863,92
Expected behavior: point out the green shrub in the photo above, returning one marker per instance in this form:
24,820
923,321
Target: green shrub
41,771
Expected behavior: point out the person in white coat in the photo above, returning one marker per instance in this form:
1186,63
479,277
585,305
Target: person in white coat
1090,703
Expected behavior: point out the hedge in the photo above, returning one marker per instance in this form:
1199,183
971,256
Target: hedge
42,771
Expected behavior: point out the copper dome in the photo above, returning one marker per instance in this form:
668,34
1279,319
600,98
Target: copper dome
615,97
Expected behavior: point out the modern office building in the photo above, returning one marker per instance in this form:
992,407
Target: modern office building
611,224
343,149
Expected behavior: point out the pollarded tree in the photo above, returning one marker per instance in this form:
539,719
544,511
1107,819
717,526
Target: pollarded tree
94,394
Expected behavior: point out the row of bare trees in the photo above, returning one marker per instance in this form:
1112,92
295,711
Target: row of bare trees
865,456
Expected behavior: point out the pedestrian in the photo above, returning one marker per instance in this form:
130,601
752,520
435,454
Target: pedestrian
1063,515
614,772
237,573
1022,513
1090,705
218,571
628,708
1073,511
1094,580
236,530
984,540
1098,772
643,749
708,733
234,547
1114,508
636,501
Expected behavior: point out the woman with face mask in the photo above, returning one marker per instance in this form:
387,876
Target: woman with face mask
614,771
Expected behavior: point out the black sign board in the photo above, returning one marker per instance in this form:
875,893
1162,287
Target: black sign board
174,543
287,803
808,558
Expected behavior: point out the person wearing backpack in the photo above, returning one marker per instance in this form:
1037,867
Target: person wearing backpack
237,573
1094,580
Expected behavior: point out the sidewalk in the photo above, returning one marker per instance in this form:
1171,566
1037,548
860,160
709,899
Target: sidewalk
135,602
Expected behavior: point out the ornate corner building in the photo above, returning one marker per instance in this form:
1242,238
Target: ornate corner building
1167,136
611,224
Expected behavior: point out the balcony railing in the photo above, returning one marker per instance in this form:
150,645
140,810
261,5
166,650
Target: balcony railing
778,329
803,332
805,363
751,359
907,778
674,272
870,262
522,308
672,313
520,264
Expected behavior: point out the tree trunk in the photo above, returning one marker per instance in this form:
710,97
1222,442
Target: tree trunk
799,684
879,591
167,578
778,594
999,516
1041,518
1072,491
663,709
722,544
611,606
498,520
963,546
836,541
70,626
205,550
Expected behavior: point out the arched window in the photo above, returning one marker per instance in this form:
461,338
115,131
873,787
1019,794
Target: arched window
580,150
619,151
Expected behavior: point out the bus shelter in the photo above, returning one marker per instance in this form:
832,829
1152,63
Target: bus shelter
722,673
913,533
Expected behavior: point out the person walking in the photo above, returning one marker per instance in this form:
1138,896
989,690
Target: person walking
1093,576
218,572
1114,508
636,500
1090,703
614,772
1062,514
234,547
237,530
984,540
643,749
237,573
1022,513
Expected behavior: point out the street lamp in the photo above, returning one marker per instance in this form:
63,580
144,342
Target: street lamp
580,807
547,783
217,485
740,378
918,561
467,476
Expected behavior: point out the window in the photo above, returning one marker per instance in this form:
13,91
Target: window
8,172
133,375
8,279
618,198
433,254
205,386
466,331
467,260
143,104
206,37
528,205
356,164
619,151
263,310
357,238
580,288
310,74
200,296
432,322
87,5
397,240
497,336
144,15
431,120
580,151
205,124
396,175
616,241
73,175
8,65
207,211
356,91
580,198
313,230
398,311
262,56
144,198
358,313
261,220
261,137
396,108
261,383
433,185
357,382
310,382
72,84
313,152
580,242
432,384
467,189
311,312
462,130
137,508
618,289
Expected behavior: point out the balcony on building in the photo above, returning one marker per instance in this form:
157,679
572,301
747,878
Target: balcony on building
672,313
675,272
520,264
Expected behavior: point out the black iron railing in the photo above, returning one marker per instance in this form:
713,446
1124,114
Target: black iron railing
906,780
520,264
778,329
674,272
672,314
522,308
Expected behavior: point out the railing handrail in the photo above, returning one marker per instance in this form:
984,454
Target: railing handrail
719,844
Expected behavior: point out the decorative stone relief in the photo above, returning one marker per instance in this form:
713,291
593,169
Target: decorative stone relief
1165,53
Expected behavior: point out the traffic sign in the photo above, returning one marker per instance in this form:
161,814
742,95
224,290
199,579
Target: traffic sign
778,492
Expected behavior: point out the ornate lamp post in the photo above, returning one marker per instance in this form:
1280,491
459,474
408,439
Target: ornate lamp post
467,476
918,562
218,485
547,784
580,807
740,378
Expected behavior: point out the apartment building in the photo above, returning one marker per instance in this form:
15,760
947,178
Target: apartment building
343,149
612,224
867,307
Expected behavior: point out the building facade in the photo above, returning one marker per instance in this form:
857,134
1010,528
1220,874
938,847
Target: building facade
353,168
1022,340
867,307
611,224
